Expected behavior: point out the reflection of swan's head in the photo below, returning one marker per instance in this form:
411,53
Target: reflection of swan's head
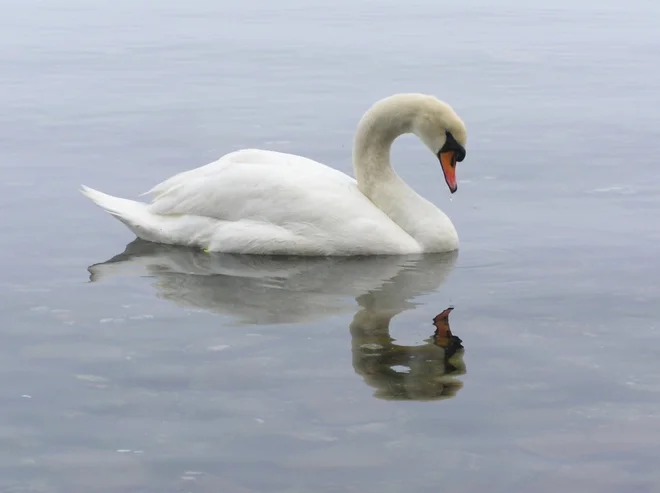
432,120
425,372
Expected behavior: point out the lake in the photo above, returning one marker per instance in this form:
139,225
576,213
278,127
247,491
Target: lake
132,367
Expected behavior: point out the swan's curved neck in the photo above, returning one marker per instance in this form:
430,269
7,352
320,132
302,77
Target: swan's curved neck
377,130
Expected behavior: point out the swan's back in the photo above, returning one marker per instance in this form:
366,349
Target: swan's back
241,157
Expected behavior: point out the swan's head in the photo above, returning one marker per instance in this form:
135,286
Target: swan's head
432,120
443,132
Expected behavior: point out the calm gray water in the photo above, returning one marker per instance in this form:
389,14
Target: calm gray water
167,370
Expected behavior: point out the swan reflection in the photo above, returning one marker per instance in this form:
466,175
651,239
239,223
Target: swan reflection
266,290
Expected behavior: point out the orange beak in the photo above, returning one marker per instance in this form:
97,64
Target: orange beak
448,162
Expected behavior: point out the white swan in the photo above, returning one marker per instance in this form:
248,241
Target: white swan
264,202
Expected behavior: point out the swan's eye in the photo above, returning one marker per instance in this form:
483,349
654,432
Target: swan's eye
452,145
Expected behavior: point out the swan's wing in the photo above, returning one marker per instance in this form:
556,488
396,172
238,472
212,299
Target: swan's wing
256,201
236,158
263,186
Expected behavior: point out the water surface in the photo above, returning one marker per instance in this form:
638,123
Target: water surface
128,367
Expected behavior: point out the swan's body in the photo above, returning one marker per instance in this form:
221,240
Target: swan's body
264,202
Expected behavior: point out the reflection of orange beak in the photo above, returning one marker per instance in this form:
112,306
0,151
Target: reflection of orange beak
442,329
448,162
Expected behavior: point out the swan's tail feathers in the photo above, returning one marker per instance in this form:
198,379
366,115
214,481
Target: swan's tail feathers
112,205
133,214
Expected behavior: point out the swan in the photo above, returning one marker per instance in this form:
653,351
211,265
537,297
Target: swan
255,201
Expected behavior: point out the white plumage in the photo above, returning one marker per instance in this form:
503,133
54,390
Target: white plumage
265,202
